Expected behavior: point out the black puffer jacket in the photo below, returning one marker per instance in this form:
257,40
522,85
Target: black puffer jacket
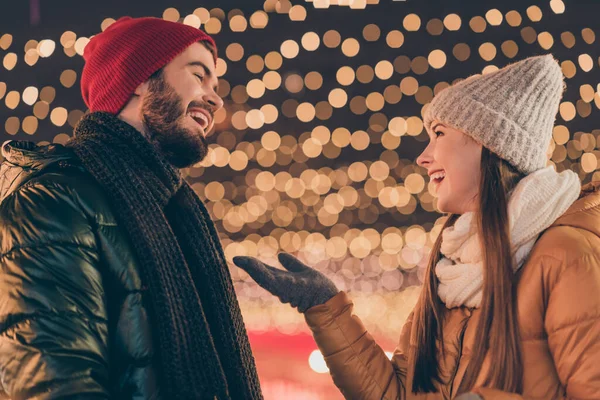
73,312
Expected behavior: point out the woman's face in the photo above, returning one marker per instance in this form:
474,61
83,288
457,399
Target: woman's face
453,161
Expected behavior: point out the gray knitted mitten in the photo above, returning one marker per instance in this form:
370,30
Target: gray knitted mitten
301,286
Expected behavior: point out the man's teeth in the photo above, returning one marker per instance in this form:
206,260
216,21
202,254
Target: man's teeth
199,116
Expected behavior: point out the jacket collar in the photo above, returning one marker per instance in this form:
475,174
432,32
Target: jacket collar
584,213
23,160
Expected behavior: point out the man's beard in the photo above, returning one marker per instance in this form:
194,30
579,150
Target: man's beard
164,115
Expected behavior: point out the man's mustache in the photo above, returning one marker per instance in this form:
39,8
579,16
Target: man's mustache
205,106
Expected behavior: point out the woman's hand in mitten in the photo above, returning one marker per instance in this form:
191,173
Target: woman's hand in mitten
299,285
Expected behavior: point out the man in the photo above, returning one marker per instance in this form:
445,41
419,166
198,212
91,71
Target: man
113,283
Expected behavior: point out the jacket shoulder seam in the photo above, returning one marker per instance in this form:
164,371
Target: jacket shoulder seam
20,318
581,321
46,244
545,255
35,181
578,230
66,188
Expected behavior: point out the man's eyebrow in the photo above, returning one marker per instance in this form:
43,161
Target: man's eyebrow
200,64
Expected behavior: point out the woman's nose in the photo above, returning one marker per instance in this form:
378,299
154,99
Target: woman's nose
424,158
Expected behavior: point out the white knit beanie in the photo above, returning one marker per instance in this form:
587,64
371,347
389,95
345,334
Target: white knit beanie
511,111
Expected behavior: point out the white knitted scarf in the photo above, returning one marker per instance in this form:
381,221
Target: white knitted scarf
535,203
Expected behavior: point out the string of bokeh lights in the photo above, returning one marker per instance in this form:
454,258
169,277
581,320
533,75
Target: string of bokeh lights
343,217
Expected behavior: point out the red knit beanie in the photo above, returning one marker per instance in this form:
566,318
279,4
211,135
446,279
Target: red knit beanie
126,54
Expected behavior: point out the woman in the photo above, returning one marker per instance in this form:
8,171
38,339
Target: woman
510,306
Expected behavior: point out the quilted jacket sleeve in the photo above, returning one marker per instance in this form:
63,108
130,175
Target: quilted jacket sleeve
358,366
53,330
572,324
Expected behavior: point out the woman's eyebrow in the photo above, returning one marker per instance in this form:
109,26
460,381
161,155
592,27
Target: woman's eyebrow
436,125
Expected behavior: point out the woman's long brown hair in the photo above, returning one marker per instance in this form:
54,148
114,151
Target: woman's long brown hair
498,323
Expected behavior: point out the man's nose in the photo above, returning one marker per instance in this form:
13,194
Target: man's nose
215,101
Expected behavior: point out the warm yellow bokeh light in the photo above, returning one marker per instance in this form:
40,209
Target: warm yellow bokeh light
171,14
12,99
437,59
5,41
384,69
586,63
289,49
478,24
297,13
534,13
313,80
487,51
46,48
259,20
409,85
255,119
557,6
12,125
513,18
235,52
371,32
221,67
546,40
452,22
310,41
338,98
255,88
30,95
350,47
494,17
411,22
395,39
9,61
238,23
332,38
213,26
305,112
192,20
345,76
567,110
272,80
58,116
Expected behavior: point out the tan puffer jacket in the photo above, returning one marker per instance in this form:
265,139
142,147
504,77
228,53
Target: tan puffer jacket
559,317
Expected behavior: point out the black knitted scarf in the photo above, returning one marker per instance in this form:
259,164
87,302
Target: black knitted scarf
199,333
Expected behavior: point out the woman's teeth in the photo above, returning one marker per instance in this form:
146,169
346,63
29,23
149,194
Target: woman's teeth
438,176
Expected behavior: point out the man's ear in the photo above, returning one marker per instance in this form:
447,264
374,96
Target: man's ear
141,89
